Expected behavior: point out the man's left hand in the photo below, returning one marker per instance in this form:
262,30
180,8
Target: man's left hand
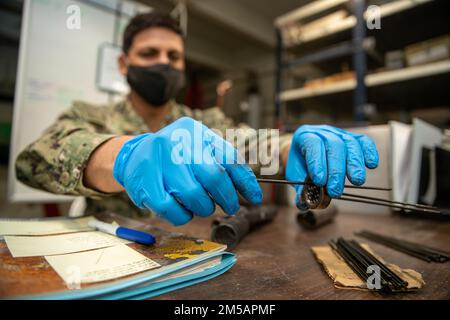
327,154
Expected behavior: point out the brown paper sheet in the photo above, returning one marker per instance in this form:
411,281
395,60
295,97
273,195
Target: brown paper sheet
344,277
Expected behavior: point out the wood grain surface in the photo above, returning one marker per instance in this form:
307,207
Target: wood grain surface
274,261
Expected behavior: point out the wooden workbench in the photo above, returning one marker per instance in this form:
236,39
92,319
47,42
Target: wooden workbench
275,262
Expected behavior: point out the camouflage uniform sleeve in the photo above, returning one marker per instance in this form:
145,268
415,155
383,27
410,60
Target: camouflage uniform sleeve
55,162
248,141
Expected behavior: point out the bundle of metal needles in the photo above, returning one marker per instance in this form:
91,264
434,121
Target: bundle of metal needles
359,260
414,249
363,199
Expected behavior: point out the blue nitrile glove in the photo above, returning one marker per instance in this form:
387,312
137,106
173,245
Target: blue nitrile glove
181,170
327,154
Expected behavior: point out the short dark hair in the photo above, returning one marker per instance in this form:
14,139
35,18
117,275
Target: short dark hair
147,20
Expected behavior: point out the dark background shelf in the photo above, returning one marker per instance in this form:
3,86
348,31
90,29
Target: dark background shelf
398,30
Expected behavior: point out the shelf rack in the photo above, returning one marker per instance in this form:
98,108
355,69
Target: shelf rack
371,80
356,47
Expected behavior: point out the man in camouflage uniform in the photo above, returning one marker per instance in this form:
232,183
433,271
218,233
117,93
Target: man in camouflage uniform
55,161
76,155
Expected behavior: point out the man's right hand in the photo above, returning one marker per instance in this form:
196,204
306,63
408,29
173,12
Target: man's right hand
182,170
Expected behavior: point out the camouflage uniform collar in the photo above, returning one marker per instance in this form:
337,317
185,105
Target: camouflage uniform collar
175,112
132,122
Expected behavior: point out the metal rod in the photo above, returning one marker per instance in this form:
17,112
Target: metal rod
398,247
390,201
374,261
408,250
362,258
358,269
416,249
359,259
367,199
391,205
312,184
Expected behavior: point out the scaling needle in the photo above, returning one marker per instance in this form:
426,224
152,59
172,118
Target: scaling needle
365,199
391,205
395,202
311,184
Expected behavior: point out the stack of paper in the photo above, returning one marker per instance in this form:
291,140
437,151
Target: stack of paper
81,257
408,145
29,246
100,265
9,227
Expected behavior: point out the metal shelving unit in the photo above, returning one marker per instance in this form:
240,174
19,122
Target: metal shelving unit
371,80
357,48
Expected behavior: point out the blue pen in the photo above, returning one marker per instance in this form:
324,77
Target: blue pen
122,232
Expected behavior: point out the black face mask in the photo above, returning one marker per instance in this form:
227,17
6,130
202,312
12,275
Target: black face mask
156,84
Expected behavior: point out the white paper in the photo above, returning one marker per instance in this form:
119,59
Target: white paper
100,265
400,159
9,227
192,269
109,77
29,246
423,135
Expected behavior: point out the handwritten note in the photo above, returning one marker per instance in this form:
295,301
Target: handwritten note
100,265
14,227
29,246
